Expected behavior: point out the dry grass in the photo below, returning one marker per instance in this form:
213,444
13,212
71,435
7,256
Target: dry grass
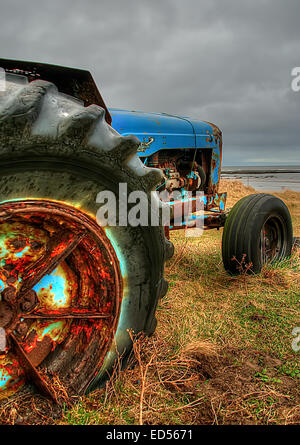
235,190
222,351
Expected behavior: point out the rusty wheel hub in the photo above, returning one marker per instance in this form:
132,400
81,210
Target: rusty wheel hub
61,289
272,240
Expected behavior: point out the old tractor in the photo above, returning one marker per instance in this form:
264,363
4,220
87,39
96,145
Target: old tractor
72,290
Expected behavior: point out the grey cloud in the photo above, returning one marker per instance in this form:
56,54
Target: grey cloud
228,62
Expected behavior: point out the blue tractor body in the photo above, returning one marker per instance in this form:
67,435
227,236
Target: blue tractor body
167,131
188,151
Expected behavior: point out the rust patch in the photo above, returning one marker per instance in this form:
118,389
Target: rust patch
62,293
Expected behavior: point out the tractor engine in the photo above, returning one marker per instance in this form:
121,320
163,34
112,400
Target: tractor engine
179,171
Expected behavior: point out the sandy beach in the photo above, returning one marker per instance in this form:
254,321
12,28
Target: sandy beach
265,178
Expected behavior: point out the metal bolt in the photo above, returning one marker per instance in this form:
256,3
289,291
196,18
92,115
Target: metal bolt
26,306
22,328
12,279
9,295
5,314
29,301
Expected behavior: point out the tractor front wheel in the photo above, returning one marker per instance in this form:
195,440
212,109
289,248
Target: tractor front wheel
257,231
70,289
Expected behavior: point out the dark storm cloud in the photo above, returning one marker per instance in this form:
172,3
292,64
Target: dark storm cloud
228,62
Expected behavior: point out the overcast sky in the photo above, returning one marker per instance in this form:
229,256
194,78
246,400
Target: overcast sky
224,61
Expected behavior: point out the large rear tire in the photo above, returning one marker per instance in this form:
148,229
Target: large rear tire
258,230
55,157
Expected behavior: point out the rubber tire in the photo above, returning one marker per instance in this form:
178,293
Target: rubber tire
51,147
241,235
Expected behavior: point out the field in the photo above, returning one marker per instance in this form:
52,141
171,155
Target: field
222,352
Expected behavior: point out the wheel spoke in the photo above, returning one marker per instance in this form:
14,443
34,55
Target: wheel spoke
66,314
30,370
62,292
57,250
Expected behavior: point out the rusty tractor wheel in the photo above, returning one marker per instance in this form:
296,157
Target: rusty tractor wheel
70,289
257,231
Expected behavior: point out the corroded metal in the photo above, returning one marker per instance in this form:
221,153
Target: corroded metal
30,370
187,211
59,247
60,286
213,220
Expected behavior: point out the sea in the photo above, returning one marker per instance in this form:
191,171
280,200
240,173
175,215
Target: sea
265,178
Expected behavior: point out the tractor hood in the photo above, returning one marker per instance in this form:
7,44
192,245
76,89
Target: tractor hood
158,131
